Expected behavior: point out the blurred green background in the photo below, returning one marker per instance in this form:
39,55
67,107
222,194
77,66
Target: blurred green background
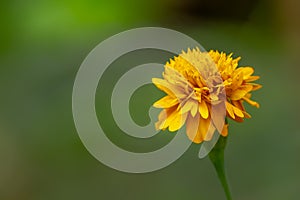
42,46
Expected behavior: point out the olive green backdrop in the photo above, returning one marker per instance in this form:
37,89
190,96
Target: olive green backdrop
42,44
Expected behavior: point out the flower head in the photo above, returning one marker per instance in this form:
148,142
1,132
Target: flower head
196,83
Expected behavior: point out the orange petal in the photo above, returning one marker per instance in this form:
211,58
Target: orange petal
225,130
238,119
247,115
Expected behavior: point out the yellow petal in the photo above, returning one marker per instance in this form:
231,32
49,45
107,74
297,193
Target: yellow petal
247,72
192,124
230,110
177,121
256,86
252,78
166,102
194,109
170,118
241,92
187,106
252,103
163,85
171,89
164,117
210,132
203,109
161,119
237,80
238,104
203,130
237,112
174,77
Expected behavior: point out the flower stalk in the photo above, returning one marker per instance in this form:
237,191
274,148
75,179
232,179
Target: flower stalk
217,158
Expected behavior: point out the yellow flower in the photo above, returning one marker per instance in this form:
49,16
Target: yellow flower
194,83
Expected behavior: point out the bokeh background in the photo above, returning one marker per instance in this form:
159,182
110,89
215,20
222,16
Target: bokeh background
42,45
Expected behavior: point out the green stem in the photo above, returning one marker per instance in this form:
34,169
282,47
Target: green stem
217,158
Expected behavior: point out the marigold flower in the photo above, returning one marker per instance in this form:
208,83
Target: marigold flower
193,86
